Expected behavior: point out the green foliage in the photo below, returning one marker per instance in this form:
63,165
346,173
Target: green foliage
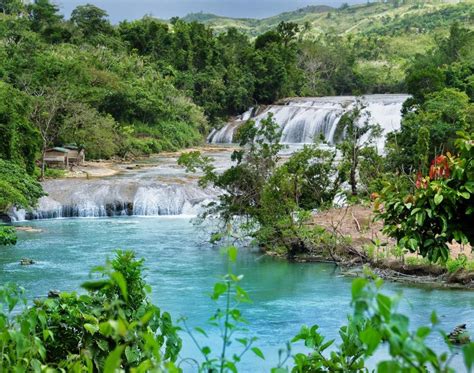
18,139
374,324
7,236
17,189
356,135
63,89
54,173
270,200
453,265
441,208
441,105
112,326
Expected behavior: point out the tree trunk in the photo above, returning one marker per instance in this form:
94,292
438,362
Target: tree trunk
43,163
352,177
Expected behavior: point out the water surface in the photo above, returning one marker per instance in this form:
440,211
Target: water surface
182,267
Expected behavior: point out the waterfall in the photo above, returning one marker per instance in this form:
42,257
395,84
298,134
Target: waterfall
303,120
116,197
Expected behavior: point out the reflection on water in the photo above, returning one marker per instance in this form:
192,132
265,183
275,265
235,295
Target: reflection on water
182,268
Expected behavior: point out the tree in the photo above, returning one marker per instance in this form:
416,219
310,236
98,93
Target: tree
48,106
435,124
355,135
91,21
87,129
18,138
47,21
17,189
328,65
287,32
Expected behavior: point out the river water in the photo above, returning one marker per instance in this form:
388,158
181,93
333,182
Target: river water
182,267
149,210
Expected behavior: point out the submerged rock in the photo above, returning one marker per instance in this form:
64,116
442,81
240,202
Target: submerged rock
459,335
54,293
28,229
26,262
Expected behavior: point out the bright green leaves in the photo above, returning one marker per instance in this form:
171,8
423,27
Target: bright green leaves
91,328
7,236
112,363
258,352
468,353
119,280
232,251
358,285
438,212
371,338
219,289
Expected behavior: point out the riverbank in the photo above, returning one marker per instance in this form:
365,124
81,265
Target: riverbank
106,168
359,241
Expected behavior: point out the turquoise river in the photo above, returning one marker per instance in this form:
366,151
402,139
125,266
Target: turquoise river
182,267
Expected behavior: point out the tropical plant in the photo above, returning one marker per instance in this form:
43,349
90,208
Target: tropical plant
375,323
113,326
7,236
441,208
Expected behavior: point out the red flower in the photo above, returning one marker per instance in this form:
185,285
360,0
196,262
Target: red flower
439,168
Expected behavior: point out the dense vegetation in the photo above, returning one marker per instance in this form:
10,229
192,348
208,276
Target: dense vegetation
275,198
145,86
114,327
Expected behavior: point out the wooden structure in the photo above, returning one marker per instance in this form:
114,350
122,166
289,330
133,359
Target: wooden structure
75,155
64,157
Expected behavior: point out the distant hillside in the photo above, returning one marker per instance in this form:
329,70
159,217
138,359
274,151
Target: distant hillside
374,17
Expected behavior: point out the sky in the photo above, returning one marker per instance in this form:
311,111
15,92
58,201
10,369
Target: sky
132,9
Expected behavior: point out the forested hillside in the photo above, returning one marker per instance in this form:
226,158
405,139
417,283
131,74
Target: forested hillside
144,86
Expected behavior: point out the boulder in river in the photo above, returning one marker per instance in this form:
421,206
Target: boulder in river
26,262
54,293
459,336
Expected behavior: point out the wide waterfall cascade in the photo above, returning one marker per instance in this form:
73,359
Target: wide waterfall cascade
158,186
116,197
304,120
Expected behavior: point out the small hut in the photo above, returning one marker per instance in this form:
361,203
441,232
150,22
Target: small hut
56,157
63,157
75,155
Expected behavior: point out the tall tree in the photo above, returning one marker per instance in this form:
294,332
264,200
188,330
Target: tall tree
91,21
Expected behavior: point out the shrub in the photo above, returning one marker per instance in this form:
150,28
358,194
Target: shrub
441,208
7,236
113,325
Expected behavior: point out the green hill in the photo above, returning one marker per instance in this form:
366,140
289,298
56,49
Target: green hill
386,35
376,17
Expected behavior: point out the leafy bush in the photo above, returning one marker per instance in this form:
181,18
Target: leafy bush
452,265
374,323
113,325
17,188
441,208
53,173
7,236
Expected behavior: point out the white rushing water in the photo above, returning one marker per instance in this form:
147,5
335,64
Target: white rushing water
162,188
158,187
116,197
303,120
